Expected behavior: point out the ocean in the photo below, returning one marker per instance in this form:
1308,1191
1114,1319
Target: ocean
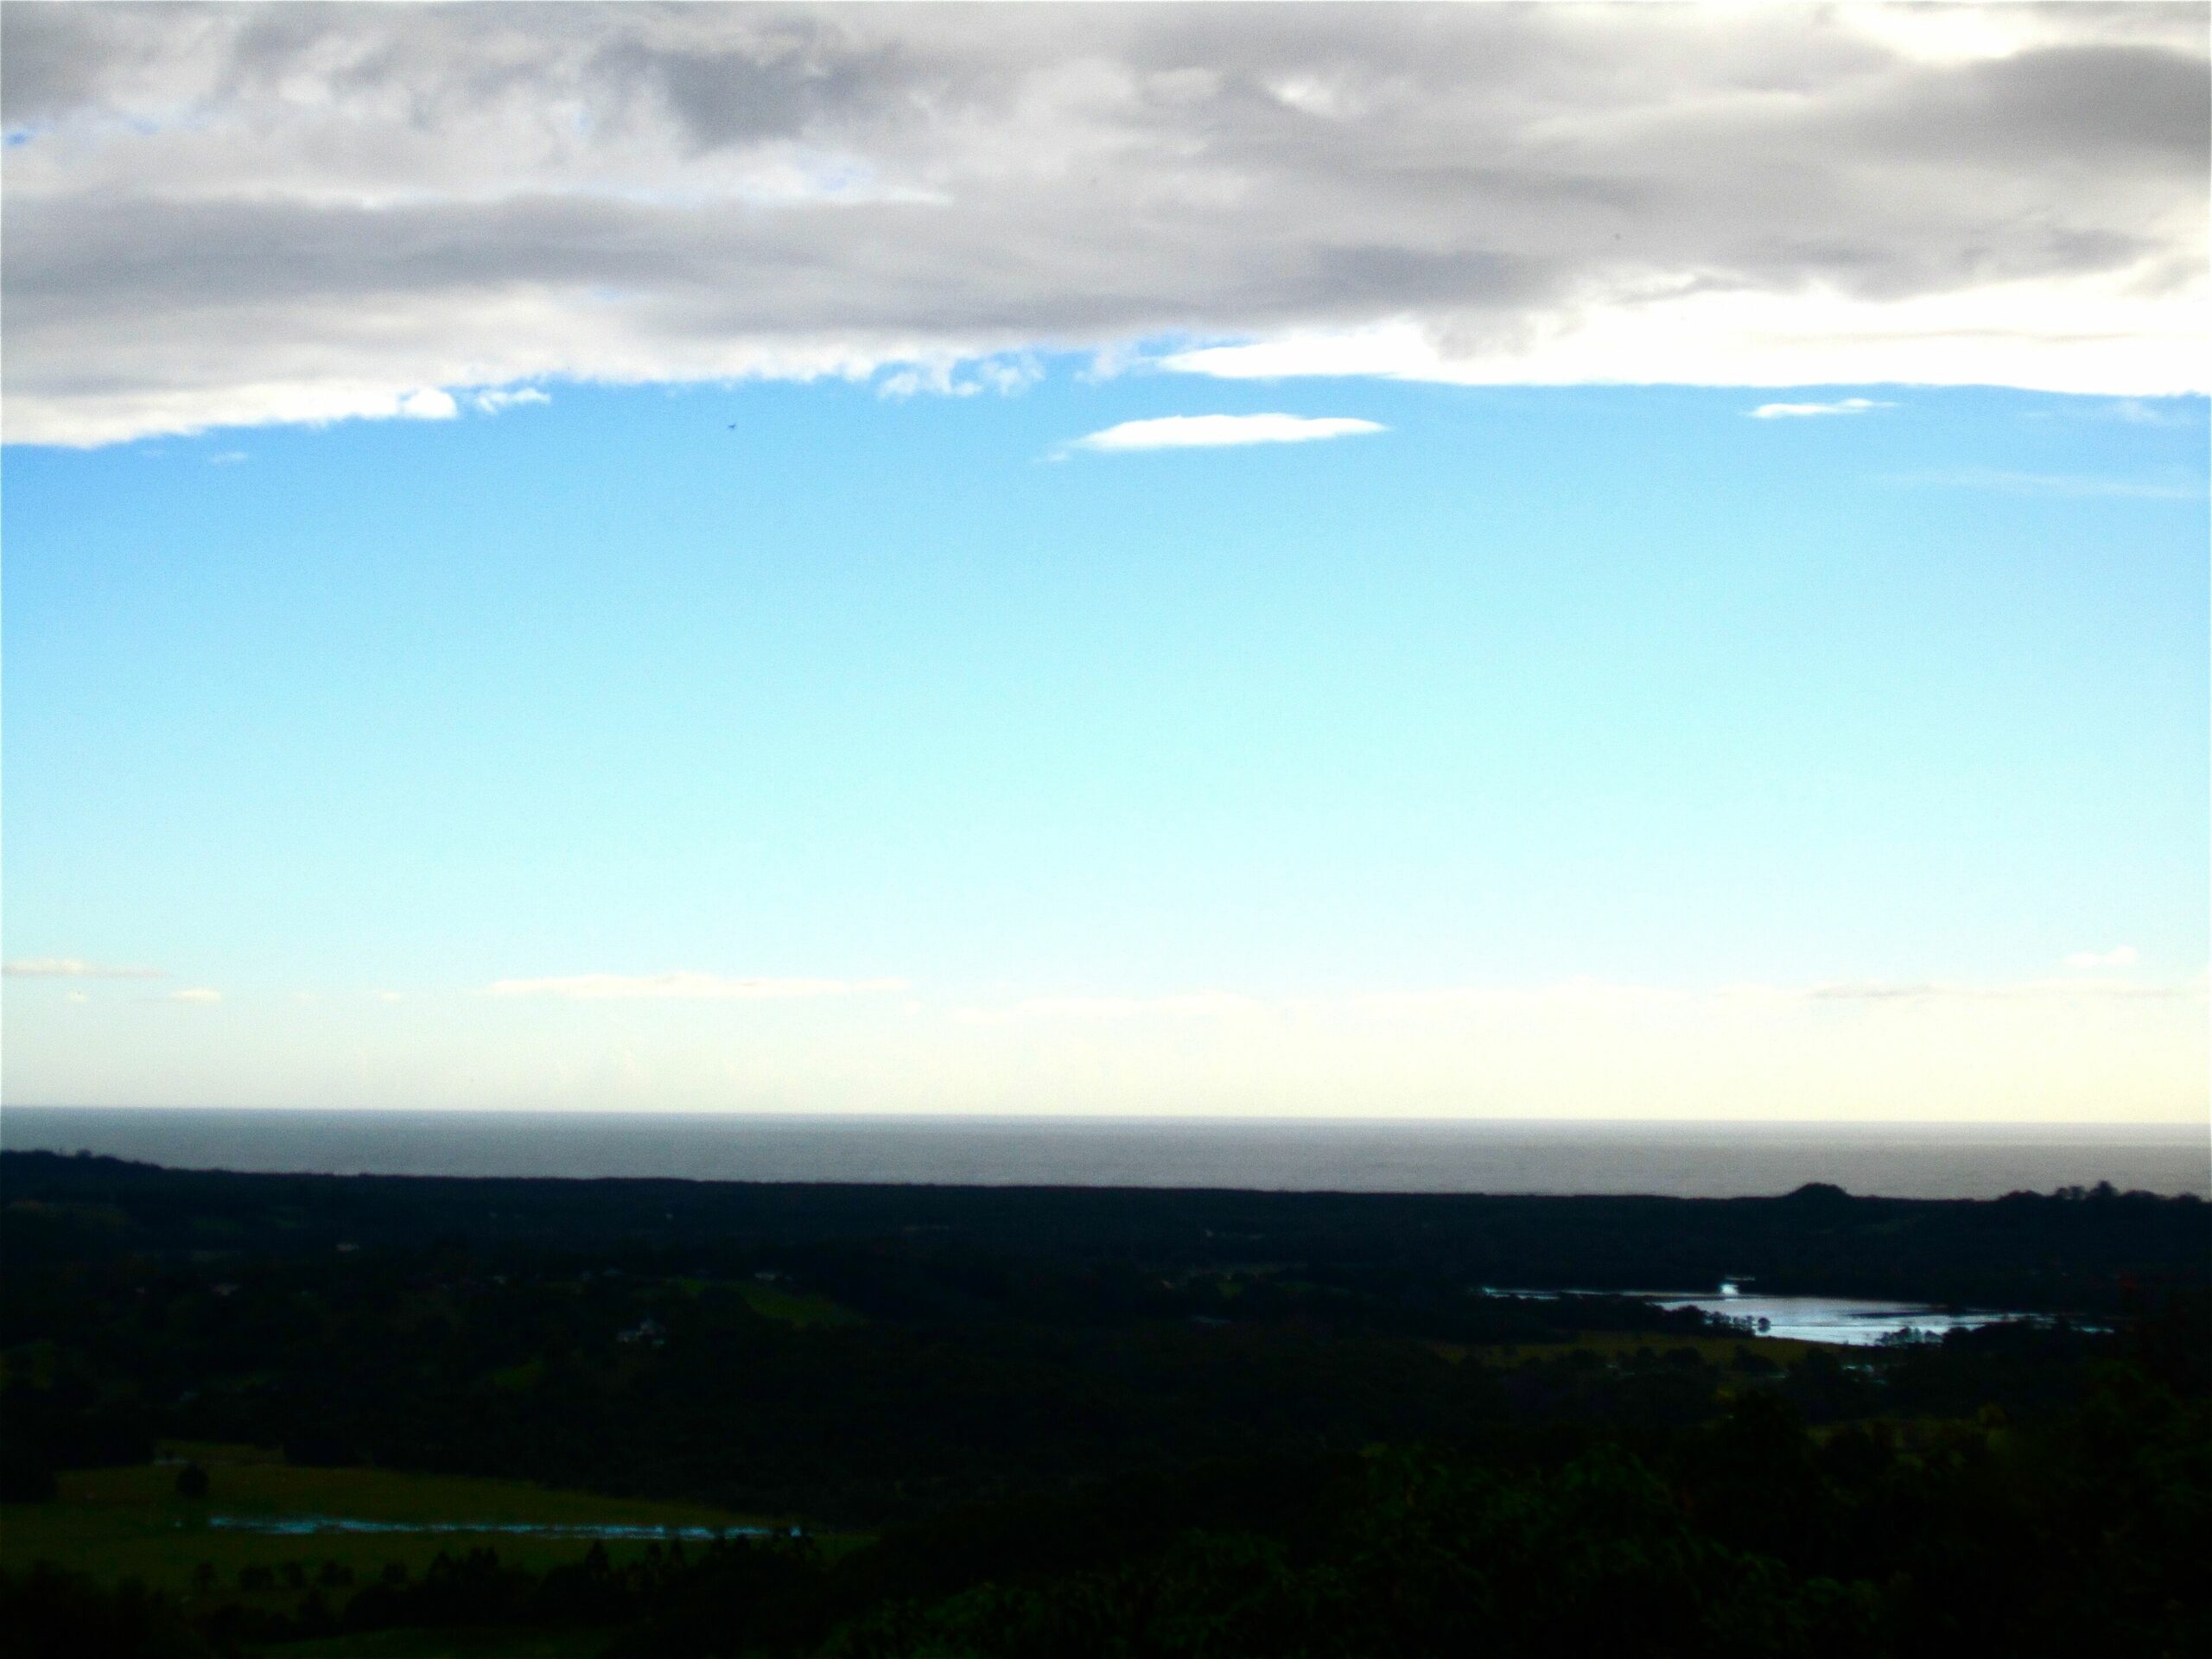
1686,1159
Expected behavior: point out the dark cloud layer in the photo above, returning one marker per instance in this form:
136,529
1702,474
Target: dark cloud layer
220,215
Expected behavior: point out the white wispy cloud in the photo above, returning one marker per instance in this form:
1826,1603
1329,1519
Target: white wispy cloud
2137,412
2120,956
1221,431
1590,995
2070,485
1577,997
73,968
1448,1000
195,994
1189,1005
1799,412
2008,991
493,401
949,378
1483,194
595,987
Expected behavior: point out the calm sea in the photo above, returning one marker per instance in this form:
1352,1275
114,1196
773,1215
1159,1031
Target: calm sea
1686,1159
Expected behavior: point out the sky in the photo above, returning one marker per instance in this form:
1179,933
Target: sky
1478,561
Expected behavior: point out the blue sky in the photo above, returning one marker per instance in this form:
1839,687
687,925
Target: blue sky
1532,686
613,556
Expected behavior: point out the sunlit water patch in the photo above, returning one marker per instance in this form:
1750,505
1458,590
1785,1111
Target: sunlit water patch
1854,1321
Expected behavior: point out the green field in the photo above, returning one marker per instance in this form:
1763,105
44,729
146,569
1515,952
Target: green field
792,1307
125,1523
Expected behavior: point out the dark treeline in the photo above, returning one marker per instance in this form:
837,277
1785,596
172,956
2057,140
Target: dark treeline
2068,1251
854,1381
1079,1422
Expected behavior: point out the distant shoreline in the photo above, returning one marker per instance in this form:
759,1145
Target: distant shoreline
2080,1251
1676,1158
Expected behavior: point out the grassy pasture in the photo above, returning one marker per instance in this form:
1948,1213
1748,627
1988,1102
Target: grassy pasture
773,1302
127,1523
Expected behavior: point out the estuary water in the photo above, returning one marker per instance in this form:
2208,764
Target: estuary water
1852,1321
1684,1160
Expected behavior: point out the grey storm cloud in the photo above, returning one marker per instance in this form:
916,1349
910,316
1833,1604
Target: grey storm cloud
234,215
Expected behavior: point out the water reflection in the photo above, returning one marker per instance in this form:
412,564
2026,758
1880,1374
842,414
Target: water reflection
1854,1321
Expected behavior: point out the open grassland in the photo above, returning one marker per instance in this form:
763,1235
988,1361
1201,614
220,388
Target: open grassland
794,1307
130,1523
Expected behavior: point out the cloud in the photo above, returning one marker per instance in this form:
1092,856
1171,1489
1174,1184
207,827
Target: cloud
1593,997
195,994
224,216
1191,1005
1576,998
1222,431
1797,412
2134,412
2120,956
1873,991
491,402
73,968
2070,485
597,988
948,378
226,458
427,404
2099,990
1580,995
